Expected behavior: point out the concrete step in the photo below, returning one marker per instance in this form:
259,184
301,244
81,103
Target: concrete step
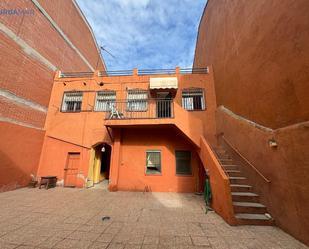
249,207
233,172
223,156
230,166
240,188
226,161
237,180
253,219
245,197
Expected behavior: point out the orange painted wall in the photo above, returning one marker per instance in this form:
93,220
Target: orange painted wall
54,159
287,195
87,128
135,143
19,157
26,77
259,51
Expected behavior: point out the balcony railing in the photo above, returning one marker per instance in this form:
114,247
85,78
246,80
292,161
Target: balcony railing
140,109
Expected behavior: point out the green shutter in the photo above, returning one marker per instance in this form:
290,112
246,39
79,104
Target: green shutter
183,162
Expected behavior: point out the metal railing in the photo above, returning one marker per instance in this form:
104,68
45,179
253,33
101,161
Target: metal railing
246,160
154,72
203,70
76,74
140,109
130,72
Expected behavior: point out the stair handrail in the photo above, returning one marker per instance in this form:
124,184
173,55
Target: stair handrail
214,152
246,160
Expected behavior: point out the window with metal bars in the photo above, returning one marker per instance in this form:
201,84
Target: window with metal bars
137,100
153,162
105,100
183,162
193,99
72,102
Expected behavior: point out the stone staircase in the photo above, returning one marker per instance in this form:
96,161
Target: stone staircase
247,208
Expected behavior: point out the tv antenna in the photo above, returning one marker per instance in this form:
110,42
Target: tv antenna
103,49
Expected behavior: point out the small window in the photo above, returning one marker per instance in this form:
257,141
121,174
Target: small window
72,102
137,100
193,99
153,162
104,100
183,162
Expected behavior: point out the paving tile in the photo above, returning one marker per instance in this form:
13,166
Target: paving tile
66,243
151,240
98,245
4,245
133,246
116,246
167,240
50,242
73,219
105,237
200,240
149,246
136,239
183,240
80,235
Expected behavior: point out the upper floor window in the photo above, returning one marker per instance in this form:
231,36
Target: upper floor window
72,102
137,100
193,99
153,162
105,100
183,162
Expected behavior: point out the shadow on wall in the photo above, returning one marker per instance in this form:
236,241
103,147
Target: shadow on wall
11,175
286,166
19,158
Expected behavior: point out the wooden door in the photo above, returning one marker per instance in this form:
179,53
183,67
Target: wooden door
71,170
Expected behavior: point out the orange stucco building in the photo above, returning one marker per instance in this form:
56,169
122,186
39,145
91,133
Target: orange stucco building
135,130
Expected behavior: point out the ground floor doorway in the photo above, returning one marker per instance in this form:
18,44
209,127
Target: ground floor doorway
99,164
71,169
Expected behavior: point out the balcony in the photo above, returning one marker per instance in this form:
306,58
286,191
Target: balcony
140,112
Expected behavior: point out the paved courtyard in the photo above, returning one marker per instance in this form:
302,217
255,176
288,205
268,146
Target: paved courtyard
72,218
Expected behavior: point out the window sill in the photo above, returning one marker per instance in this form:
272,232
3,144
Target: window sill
199,110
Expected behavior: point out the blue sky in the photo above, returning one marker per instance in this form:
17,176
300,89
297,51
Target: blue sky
145,34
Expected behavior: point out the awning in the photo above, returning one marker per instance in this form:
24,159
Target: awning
164,83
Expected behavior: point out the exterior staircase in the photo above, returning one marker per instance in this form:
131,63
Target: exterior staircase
246,205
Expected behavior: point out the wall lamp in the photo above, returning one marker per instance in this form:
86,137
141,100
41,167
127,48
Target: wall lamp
272,143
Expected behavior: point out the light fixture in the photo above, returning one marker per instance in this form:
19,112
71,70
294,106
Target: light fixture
103,149
272,143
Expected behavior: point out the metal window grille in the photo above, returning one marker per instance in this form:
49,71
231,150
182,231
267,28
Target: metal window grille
193,99
153,162
72,102
183,162
137,100
105,100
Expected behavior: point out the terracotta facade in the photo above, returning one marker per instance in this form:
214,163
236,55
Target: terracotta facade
129,138
258,50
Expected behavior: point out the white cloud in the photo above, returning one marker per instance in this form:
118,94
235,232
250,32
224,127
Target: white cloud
145,33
